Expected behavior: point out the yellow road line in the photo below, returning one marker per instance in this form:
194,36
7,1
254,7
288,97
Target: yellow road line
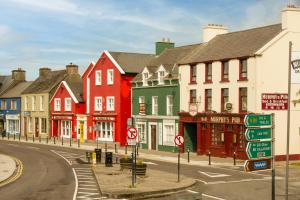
17,173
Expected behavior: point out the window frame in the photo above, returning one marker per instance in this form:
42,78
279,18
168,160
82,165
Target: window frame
42,103
110,77
142,105
33,103
13,105
241,97
170,104
193,99
241,70
161,75
145,79
70,106
98,77
100,107
57,104
193,74
45,128
108,106
223,98
154,105
26,103
225,72
208,76
207,99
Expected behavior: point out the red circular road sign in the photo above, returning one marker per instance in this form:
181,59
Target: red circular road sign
132,133
179,140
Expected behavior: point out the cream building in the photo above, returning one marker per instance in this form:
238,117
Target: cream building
232,71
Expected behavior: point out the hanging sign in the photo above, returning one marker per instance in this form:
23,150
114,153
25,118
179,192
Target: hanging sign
295,68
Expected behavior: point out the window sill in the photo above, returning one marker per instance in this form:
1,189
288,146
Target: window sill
224,81
192,83
242,80
207,82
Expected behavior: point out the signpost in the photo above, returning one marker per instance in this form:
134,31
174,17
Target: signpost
179,141
132,135
274,101
260,147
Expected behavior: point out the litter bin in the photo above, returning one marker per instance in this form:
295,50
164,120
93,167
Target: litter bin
88,156
108,159
98,155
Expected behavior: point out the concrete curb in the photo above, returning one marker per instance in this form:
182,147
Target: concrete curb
16,173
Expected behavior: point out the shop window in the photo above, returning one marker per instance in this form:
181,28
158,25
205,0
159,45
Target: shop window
56,104
169,134
13,126
154,105
110,77
193,97
208,99
243,99
193,74
242,139
106,131
141,128
243,75
13,105
169,105
44,125
225,71
98,77
224,98
217,136
66,128
110,103
208,73
68,103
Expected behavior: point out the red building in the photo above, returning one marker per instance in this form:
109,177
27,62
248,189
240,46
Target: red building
68,109
107,93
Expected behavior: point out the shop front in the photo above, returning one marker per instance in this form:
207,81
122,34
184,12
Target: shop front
2,125
82,128
104,128
13,124
218,134
62,126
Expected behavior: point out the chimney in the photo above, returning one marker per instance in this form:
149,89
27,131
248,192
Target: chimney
212,30
290,18
18,74
44,71
164,44
72,69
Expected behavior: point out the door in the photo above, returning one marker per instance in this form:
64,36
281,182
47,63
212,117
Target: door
25,126
37,131
81,131
153,137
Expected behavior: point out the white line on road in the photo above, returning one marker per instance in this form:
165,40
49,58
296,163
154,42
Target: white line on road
30,147
81,188
191,191
210,196
150,163
62,157
213,175
76,184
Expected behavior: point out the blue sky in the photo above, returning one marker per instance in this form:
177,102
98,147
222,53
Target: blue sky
53,33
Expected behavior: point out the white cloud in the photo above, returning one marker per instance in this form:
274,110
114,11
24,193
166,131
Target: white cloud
62,6
8,36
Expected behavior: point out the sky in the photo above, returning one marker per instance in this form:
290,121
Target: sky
53,33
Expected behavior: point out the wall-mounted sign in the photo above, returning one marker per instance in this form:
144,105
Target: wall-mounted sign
274,101
295,68
193,109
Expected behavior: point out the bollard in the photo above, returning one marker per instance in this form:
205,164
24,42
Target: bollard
53,140
70,140
14,136
8,136
126,149
234,161
62,141
32,138
116,151
105,147
26,137
88,156
47,139
137,150
188,151
209,159
40,139
19,137
78,143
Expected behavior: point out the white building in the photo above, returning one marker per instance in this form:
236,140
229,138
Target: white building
225,79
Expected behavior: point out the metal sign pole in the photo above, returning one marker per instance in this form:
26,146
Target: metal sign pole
132,167
135,163
273,159
178,165
288,125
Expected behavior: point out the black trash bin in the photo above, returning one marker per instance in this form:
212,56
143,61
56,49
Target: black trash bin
98,155
108,159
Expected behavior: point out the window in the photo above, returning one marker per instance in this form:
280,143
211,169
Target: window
142,105
243,69
106,131
169,134
193,96
26,103
98,77
110,77
110,103
243,99
193,74
66,128
224,98
98,103
44,125
13,126
154,105
208,72
217,136
29,124
208,100
161,75
3,105
33,102
13,105
141,128
145,78
57,104
68,104
169,105
225,71
41,103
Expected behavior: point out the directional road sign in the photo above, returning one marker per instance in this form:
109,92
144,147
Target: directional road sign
178,140
258,120
132,133
259,149
255,165
253,134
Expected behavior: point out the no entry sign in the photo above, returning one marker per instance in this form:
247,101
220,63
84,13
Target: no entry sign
178,140
132,133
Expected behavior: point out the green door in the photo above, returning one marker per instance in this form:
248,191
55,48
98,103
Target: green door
190,137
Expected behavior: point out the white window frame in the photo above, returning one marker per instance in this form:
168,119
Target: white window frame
33,103
154,105
168,138
145,79
41,122
110,77
68,107
104,129
108,106
13,105
98,77
57,104
98,106
169,110
42,103
142,133
161,78
66,132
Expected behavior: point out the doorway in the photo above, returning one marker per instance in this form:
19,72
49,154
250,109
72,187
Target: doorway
81,132
190,137
25,126
37,125
153,137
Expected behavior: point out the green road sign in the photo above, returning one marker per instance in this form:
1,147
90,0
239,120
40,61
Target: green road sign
258,120
252,134
259,149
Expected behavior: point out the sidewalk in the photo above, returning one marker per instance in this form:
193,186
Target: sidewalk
7,167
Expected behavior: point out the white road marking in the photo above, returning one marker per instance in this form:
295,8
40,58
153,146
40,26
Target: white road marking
236,181
30,147
213,197
213,175
201,181
62,157
150,163
191,191
76,184
81,188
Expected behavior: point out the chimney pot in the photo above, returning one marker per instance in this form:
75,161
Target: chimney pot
72,69
44,71
212,30
19,74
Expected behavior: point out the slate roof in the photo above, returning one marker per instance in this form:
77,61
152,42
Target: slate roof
75,83
131,62
169,59
17,90
46,84
5,83
233,45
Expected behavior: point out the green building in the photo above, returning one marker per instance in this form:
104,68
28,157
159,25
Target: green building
155,100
